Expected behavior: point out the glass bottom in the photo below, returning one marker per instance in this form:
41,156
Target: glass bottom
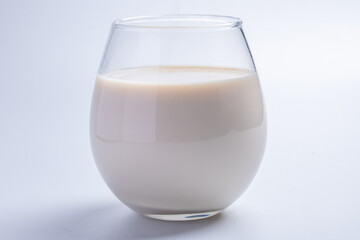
182,217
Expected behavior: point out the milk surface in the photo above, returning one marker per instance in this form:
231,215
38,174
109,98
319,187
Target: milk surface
178,139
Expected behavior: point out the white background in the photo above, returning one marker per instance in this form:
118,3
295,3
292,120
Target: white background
307,55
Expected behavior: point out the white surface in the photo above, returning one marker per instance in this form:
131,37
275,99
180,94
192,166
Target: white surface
307,54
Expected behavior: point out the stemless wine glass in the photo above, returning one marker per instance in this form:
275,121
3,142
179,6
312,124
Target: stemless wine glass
177,122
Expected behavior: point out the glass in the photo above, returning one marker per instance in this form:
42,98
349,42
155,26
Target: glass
177,121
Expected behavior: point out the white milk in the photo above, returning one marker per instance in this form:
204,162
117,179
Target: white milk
171,140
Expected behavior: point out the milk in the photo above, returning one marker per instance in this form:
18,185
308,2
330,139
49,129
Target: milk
171,140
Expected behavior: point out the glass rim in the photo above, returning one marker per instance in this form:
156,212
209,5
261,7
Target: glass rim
179,21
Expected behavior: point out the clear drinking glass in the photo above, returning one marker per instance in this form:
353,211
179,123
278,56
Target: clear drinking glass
177,122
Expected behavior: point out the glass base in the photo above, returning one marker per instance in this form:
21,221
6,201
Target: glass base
182,217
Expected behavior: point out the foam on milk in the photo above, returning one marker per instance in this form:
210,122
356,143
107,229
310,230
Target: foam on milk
175,75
